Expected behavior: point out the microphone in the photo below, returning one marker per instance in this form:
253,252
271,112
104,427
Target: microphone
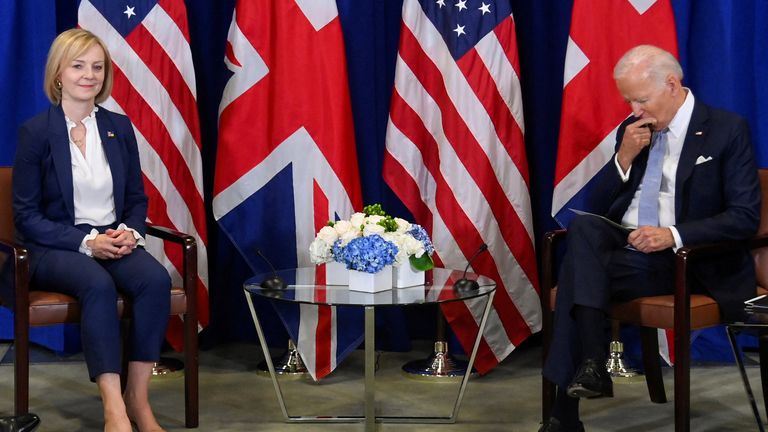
271,283
465,284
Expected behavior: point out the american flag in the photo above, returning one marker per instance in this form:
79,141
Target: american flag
154,85
286,161
455,156
601,32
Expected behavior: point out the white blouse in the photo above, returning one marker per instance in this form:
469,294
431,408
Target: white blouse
91,177
92,182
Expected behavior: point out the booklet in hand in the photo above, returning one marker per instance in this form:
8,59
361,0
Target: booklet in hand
610,222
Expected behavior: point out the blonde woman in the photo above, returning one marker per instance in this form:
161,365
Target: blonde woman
79,208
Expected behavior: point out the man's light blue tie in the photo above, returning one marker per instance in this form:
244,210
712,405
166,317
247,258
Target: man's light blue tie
648,207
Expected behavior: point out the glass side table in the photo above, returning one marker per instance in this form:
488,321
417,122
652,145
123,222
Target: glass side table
301,288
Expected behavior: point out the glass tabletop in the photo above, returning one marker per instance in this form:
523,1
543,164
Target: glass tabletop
751,319
306,285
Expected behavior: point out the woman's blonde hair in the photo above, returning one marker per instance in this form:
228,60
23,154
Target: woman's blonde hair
68,46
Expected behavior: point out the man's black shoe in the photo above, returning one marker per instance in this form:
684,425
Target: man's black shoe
553,425
22,423
591,381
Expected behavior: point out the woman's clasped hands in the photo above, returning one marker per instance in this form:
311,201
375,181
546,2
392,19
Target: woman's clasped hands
113,244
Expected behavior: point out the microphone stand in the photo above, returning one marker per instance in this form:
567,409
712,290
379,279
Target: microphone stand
620,372
288,364
440,365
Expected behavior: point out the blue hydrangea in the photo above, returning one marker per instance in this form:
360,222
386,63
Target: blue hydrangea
367,254
419,233
337,251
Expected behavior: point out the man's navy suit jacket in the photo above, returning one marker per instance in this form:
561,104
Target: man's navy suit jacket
43,196
717,197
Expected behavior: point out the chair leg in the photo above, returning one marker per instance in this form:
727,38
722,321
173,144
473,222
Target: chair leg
547,398
191,395
682,381
653,378
21,366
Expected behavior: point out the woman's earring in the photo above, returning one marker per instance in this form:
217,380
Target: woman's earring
58,84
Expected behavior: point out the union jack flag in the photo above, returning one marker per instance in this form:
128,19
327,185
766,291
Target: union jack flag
154,85
601,32
455,156
286,160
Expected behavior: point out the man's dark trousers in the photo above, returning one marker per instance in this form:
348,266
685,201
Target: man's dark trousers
598,269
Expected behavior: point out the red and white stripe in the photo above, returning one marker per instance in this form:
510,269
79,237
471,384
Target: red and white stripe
455,156
154,85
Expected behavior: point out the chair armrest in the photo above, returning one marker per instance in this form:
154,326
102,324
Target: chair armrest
189,262
722,247
170,235
685,255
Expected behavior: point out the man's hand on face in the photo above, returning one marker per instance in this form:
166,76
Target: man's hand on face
636,137
649,239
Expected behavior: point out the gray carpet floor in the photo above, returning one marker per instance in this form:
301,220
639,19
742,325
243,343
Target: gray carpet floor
233,397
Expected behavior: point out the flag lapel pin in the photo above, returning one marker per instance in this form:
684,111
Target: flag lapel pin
698,133
110,134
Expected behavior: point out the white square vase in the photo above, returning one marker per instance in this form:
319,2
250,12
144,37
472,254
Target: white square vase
370,282
336,273
415,294
368,298
406,276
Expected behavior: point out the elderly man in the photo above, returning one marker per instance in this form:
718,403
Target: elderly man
683,174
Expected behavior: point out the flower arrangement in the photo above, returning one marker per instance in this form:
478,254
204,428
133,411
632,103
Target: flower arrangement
370,240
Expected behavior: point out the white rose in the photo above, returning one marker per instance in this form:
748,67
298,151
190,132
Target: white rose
392,237
412,246
398,239
373,219
357,220
371,229
349,236
328,235
319,251
402,225
342,227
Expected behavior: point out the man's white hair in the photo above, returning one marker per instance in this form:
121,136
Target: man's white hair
655,63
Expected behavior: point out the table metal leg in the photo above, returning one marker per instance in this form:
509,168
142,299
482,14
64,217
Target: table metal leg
742,371
460,396
370,418
478,338
370,369
267,356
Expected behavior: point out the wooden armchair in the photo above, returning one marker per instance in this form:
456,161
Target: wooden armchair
681,311
39,308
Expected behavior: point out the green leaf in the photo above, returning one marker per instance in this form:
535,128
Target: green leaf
423,263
